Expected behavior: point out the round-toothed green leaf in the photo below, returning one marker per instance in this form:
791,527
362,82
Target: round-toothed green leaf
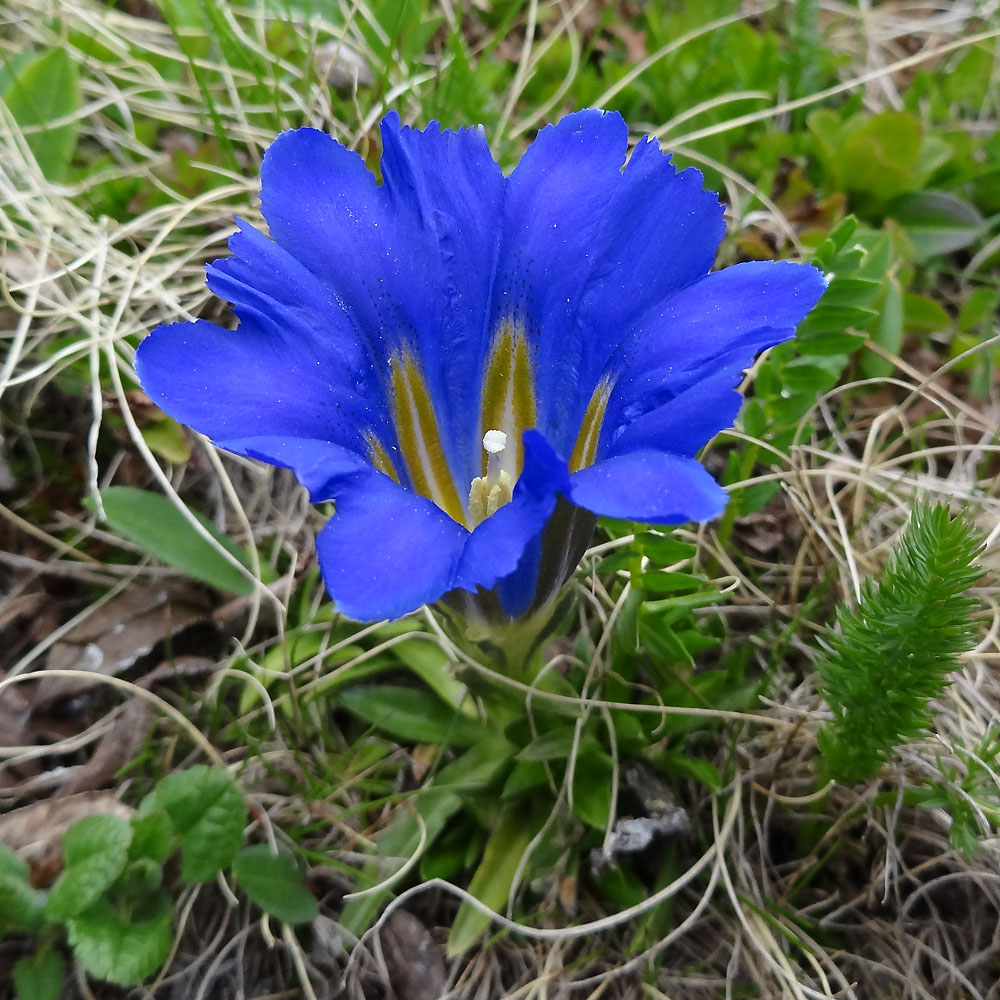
95,850
120,947
209,812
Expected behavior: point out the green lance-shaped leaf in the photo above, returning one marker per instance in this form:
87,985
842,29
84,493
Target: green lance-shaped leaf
887,333
46,90
937,222
894,652
493,879
273,882
471,772
152,522
412,714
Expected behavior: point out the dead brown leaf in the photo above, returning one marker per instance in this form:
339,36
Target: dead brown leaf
116,749
415,961
7,480
34,831
15,731
118,636
20,607
178,666
145,635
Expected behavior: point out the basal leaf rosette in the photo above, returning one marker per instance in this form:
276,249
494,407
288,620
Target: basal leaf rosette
473,366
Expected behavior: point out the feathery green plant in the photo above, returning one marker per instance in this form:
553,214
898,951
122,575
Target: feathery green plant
894,651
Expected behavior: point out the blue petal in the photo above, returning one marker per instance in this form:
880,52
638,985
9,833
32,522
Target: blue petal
683,424
723,320
295,366
319,465
517,590
548,556
385,552
650,486
454,188
661,232
411,261
250,382
323,206
269,286
554,211
741,308
529,548
588,248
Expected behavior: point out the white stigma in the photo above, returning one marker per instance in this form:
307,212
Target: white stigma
494,442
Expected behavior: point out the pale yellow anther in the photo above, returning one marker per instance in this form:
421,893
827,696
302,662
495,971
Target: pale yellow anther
490,492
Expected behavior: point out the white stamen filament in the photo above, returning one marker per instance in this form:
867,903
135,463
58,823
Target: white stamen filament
494,443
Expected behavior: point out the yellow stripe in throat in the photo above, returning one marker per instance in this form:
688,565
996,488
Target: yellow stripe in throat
508,401
419,437
585,450
380,456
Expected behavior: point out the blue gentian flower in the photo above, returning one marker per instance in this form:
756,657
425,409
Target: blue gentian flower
473,366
